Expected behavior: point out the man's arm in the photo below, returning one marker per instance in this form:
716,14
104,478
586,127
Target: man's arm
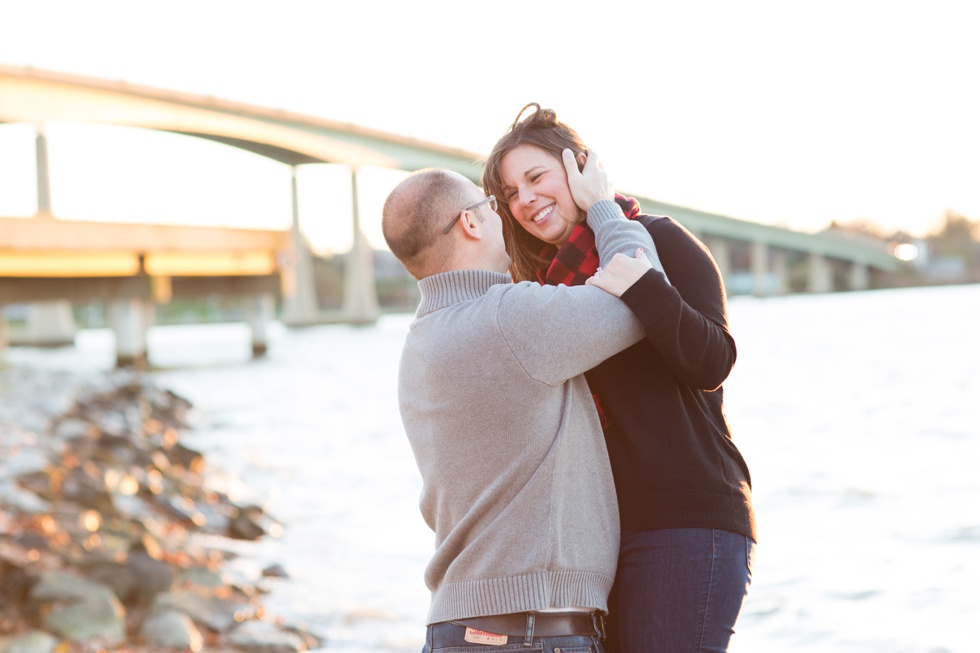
621,273
558,332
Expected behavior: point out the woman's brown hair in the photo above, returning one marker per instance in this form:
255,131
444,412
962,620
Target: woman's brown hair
542,130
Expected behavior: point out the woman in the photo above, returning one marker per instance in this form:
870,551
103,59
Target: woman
684,489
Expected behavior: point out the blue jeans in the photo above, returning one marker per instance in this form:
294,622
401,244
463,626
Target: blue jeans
447,636
678,590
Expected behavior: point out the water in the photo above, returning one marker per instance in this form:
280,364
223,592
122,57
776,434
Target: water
857,413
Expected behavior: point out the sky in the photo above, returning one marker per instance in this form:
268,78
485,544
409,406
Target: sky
787,113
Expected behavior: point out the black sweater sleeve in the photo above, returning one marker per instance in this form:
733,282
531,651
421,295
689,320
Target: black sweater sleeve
687,319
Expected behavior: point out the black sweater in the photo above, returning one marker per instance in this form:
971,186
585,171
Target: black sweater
669,442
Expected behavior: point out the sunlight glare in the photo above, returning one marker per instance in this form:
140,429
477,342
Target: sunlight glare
906,252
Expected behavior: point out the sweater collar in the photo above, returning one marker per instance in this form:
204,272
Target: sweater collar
448,288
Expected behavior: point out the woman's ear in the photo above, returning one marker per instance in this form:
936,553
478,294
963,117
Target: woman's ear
581,159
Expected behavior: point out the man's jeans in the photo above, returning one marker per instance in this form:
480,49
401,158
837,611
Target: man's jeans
679,590
447,635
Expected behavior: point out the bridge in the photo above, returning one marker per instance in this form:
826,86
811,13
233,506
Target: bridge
46,261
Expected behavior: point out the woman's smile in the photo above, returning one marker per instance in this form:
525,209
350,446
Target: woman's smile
537,194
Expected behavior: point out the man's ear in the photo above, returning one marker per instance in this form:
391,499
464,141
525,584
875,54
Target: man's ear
471,225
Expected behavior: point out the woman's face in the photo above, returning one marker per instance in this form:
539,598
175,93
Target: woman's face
536,191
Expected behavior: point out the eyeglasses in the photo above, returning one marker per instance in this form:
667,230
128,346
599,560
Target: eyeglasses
491,200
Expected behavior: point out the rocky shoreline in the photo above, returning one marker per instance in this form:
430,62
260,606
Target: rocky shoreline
113,536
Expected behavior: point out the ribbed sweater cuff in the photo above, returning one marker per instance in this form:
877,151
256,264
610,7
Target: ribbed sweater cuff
603,211
523,593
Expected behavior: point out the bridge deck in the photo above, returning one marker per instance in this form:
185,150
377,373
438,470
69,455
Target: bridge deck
44,258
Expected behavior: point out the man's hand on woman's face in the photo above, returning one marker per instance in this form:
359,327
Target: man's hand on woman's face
591,184
621,273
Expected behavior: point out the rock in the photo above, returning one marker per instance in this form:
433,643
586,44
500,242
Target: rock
39,483
262,637
114,575
275,571
14,496
78,609
24,460
151,576
251,523
83,486
118,423
35,641
184,457
172,629
111,529
17,583
73,428
201,577
216,614
245,525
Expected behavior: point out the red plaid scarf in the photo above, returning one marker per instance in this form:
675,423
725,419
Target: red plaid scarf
577,260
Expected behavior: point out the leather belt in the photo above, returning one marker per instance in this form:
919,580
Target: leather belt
546,624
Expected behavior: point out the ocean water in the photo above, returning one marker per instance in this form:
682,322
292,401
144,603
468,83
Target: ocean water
858,413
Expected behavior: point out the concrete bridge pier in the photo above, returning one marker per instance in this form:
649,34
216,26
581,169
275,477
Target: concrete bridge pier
821,276
4,331
360,302
360,298
130,320
770,270
723,259
300,305
260,311
49,324
780,269
760,269
859,277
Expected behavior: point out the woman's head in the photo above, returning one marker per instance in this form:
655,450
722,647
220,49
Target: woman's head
526,173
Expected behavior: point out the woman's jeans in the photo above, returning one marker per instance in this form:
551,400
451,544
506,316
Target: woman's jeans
679,590
447,636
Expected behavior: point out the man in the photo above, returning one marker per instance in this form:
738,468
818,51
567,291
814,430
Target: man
516,479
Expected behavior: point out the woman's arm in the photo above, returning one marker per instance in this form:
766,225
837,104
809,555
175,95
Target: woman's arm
686,320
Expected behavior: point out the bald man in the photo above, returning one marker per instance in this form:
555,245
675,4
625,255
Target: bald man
516,479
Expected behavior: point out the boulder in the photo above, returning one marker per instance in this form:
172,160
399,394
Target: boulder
34,641
79,610
172,629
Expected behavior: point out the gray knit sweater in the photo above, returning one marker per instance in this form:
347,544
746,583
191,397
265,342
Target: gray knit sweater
516,479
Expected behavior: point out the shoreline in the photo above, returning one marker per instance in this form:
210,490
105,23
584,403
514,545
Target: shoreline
112,533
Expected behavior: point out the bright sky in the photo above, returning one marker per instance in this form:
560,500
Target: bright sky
791,113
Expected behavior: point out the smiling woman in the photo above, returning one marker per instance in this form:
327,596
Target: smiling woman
537,194
685,507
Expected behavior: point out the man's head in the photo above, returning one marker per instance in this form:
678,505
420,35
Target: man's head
418,213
